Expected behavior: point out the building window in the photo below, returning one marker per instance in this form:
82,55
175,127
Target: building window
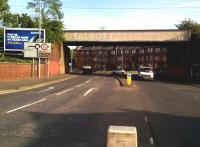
82,52
141,51
141,58
100,52
87,52
157,50
94,59
119,58
126,51
155,66
151,58
150,50
112,52
165,50
133,51
157,58
164,58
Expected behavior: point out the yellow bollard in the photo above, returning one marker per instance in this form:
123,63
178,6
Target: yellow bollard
129,79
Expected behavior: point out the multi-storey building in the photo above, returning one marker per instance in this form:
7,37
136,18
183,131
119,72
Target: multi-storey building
128,58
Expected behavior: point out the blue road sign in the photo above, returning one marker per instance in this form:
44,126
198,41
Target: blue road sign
14,38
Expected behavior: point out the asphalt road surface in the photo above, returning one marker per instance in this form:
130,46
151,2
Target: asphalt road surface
74,113
173,112
78,112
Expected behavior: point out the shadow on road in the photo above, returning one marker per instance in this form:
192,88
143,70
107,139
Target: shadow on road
89,130
82,130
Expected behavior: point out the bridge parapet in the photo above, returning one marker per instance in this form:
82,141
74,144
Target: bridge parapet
127,36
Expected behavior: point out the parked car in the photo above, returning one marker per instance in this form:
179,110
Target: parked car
87,69
146,73
118,72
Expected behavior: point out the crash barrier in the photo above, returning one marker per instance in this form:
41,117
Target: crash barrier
122,136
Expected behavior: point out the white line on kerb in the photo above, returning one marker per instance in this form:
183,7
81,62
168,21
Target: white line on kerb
77,86
50,88
65,91
90,90
26,105
151,140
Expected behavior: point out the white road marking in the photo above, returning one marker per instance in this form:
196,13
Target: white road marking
151,140
50,88
146,118
65,91
26,106
87,81
90,90
77,86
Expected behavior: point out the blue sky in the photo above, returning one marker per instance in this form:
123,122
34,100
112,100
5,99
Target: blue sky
122,14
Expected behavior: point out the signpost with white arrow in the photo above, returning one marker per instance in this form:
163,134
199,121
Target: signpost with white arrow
37,50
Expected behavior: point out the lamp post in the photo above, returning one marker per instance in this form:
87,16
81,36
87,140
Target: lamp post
39,68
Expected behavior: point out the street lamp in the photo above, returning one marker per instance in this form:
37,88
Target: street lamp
39,36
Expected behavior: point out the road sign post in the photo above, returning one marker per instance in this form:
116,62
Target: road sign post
33,68
38,50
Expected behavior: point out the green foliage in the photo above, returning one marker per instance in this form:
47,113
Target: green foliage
1,36
54,32
190,25
51,18
10,59
4,7
26,21
50,9
11,20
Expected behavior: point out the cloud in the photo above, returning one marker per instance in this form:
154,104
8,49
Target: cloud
190,4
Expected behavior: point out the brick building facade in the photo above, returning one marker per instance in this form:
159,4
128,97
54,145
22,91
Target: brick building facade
128,58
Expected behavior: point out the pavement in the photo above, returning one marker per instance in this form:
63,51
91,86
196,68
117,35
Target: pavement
22,85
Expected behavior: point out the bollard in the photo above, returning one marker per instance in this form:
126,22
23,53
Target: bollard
122,136
129,79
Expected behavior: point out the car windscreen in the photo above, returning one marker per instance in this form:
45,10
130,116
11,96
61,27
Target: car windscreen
145,70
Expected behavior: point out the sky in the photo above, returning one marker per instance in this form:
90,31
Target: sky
121,14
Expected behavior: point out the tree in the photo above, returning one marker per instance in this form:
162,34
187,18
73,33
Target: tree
52,15
190,25
11,20
26,21
4,7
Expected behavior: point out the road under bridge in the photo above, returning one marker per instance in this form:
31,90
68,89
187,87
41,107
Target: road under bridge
178,43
